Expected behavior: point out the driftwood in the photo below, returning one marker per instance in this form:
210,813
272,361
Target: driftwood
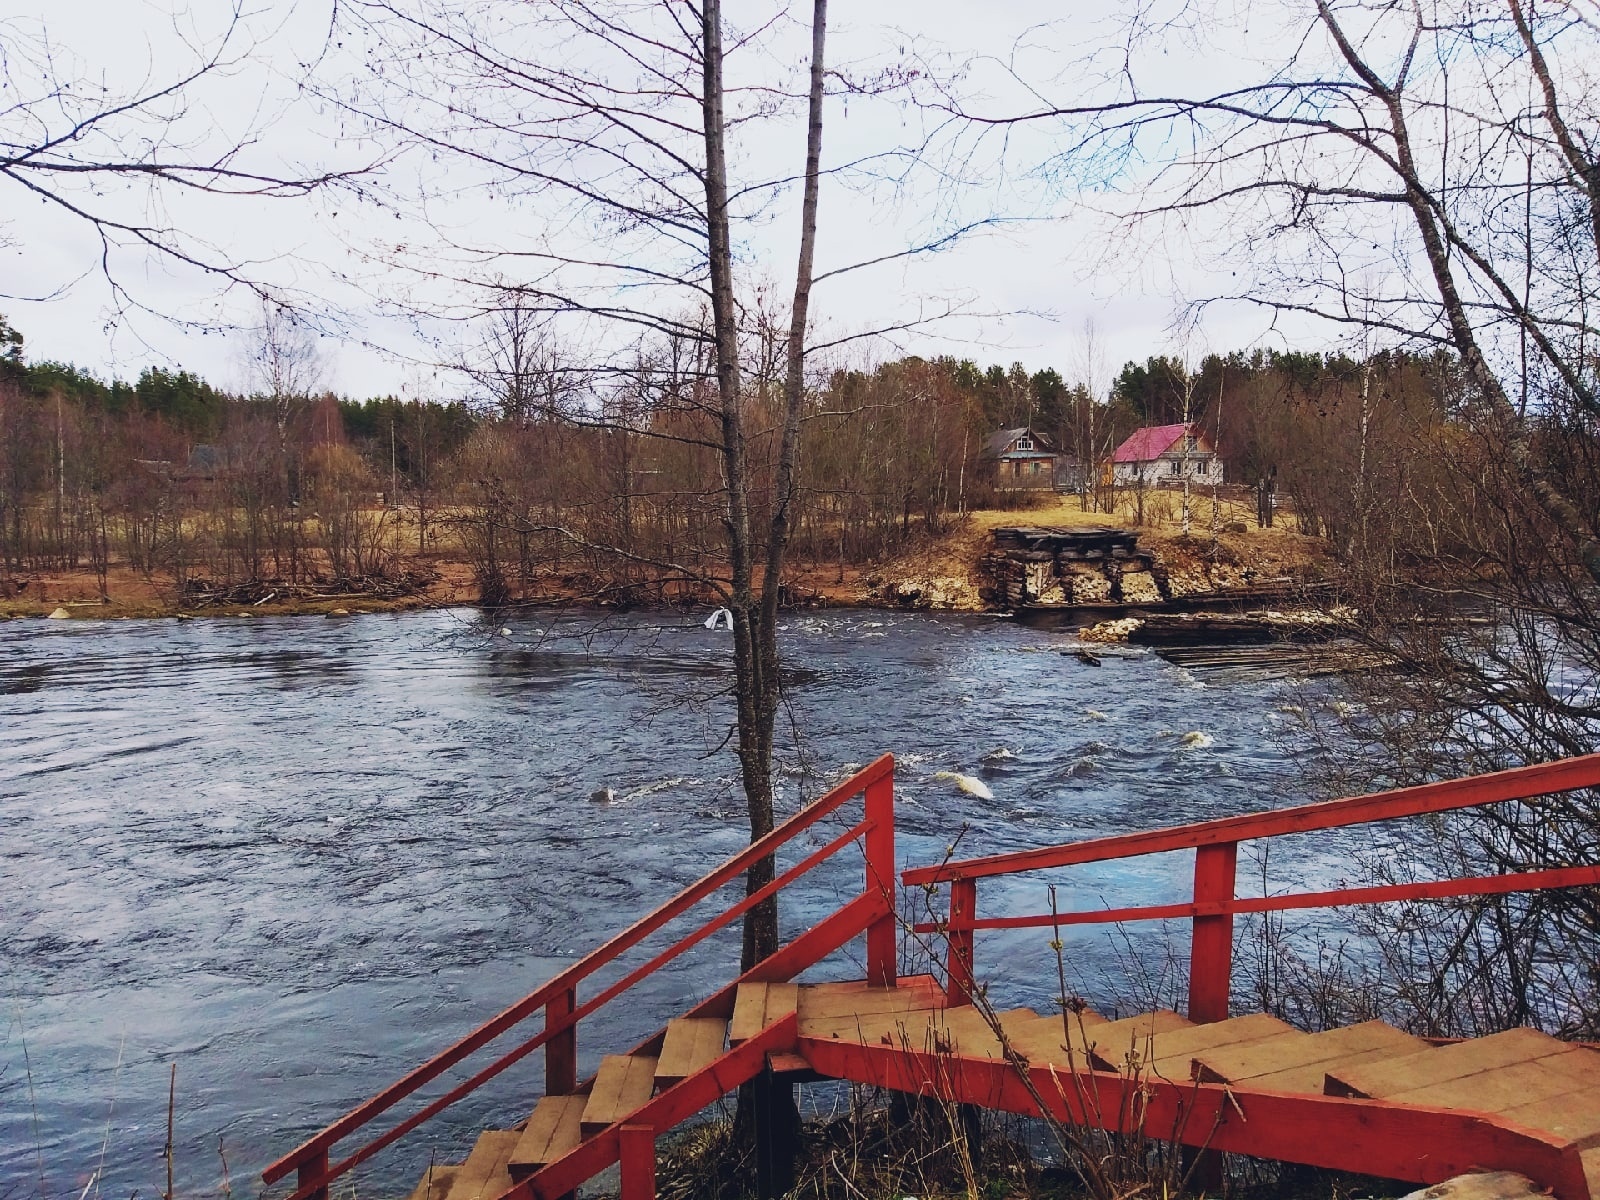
199,592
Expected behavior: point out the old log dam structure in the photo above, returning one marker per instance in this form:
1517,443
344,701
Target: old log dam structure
1367,1098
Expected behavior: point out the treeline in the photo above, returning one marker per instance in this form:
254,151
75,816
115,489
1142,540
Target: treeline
563,482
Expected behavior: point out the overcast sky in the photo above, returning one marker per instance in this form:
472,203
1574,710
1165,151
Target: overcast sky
1027,287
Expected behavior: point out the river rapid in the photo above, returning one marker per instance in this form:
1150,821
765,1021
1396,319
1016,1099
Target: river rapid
296,856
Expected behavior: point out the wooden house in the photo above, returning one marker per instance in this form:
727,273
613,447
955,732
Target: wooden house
1026,460
1163,455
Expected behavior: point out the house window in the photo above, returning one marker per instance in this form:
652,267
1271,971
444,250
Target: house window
1024,443
1037,466
1177,466
1191,443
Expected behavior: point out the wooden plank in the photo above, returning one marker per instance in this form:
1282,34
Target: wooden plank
1173,1055
435,1182
554,1128
1573,1116
623,1084
1513,1086
691,1043
1170,1054
1443,1064
749,1012
1312,1080
787,1062
1590,1162
965,1030
484,1175
1113,1041
1044,1039
889,1028
1286,1052
925,984
817,1005
758,1005
782,1000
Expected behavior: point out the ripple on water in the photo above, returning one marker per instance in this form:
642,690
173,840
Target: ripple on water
299,855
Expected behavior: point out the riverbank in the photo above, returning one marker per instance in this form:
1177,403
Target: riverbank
938,572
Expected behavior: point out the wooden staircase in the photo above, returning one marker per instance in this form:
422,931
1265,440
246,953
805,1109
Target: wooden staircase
1521,1077
616,1096
1521,1081
1368,1098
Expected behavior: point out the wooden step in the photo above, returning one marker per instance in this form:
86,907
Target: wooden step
1310,1079
757,1005
1590,1160
1515,1085
485,1175
823,1011
554,1128
873,1028
1112,1042
1443,1064
624,1083
435,1182
1573,1117
964,1030
1287,1056
692,1043
1170,1054
1045,1039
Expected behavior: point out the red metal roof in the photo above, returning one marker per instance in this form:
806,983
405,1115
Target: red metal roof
1150,442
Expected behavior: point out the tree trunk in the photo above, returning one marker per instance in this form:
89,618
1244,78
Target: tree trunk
755,618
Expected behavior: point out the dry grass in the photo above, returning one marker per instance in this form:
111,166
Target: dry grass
1281,550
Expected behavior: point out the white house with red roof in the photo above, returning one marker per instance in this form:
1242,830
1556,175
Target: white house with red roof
1166,454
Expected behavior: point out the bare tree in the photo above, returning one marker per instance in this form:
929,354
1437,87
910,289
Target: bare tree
1423,175
285,364
115,160
625,143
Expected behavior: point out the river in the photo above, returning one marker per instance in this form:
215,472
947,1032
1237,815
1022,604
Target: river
295,856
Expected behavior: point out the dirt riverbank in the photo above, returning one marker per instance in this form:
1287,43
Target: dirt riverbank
937,572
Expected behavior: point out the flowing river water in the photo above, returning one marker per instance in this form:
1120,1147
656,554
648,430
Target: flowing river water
297,856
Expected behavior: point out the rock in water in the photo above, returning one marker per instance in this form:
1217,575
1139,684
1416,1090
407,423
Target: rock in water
1195,740
968,784
60,614
602,796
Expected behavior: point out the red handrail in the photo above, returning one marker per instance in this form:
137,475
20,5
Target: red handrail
1516,784
1216,844
558,995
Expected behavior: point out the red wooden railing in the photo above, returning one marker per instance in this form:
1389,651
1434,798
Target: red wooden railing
871,912
1216,846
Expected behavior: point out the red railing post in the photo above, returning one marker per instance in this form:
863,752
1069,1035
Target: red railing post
636,1147
561,1051
1211,943
958,967
882,970
312,1168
